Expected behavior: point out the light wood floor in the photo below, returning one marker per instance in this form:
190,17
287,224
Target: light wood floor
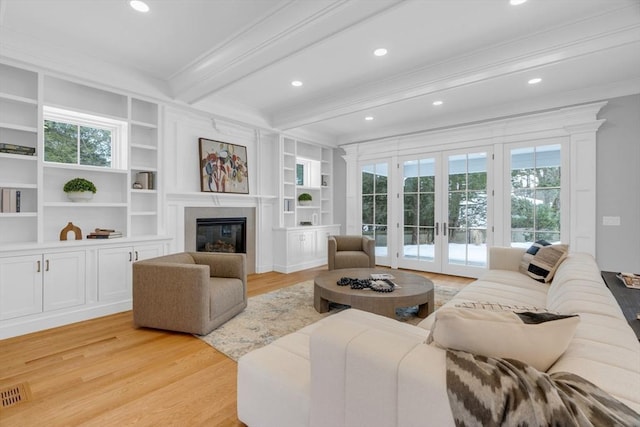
104,372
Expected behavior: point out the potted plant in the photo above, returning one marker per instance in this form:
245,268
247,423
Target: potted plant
305,199
79,189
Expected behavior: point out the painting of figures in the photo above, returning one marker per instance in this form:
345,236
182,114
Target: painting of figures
223,167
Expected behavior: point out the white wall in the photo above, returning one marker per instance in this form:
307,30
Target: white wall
182,129
618,185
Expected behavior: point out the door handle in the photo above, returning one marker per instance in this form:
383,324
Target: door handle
136,255
437,228
46,268
130,256
38,271
444,228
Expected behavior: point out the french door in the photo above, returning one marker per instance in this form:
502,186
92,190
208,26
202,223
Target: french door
445,205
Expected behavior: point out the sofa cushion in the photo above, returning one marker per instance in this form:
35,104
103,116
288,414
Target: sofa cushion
494,306
542,259
538,339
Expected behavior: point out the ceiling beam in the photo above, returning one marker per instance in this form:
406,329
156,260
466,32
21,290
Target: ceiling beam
269,41
617,29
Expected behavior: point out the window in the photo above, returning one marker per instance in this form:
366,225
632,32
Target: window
82,139
374,205
535,194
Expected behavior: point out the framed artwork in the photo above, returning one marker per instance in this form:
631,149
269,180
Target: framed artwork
223,167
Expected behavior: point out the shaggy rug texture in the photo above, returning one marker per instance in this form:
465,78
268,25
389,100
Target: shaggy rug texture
278,313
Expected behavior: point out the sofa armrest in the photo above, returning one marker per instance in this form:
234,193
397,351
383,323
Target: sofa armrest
332,247
375,374
163,290
505,258
369,247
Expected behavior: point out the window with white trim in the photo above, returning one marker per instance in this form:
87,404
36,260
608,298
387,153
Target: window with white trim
536,190
71,137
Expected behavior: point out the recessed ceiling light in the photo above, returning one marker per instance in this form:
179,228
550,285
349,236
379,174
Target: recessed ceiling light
368,118
516,2
380,52
535,81
436,103
139,5
296,83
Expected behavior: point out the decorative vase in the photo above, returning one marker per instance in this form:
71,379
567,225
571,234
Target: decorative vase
304,202
80,196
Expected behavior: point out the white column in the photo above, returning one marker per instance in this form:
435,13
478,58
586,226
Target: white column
583,186
353,221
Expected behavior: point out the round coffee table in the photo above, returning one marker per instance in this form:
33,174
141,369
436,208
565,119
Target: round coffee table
411,290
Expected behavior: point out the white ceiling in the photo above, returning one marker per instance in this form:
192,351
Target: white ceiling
237,57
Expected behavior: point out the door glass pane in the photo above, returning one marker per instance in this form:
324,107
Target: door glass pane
374,205
419,209
410,240
467,213
427,209
535,194
410,209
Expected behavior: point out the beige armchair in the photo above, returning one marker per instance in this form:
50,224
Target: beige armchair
351,252
192,292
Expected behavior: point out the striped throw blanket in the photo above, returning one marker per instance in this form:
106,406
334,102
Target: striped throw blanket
486,391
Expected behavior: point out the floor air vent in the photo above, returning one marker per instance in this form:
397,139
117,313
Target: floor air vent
13,395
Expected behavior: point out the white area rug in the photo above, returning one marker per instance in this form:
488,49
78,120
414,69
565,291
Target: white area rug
278,313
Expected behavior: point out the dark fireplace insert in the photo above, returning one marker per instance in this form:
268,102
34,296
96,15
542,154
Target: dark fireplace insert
221,235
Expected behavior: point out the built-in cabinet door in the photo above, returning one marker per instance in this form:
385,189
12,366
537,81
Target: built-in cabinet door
64,280
114,273
322,237
147,251
20,286
302,246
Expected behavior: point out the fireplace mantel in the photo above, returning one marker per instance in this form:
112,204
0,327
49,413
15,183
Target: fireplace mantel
219,199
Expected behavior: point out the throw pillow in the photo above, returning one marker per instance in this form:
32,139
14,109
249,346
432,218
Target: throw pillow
546,261
542,259
527,257
538,339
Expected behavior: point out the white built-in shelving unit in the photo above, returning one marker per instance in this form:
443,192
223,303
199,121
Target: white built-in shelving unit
46,281
303,228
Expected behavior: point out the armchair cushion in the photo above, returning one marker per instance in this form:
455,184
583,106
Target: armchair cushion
189,292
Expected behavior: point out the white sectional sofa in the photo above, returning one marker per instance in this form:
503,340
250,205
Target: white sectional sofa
359,369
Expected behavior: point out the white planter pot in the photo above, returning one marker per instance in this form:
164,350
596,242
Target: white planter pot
80,196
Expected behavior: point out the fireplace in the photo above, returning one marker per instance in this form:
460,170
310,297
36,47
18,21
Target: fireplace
221,235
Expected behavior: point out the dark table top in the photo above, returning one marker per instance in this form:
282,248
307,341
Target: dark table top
628,299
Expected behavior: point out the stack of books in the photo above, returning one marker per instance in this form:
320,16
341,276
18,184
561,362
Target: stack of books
10,202
630,280
146,180
17,149
104,233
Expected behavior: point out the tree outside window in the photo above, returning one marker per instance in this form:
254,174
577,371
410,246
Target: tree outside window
535,194
71,137
374,205
81,145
